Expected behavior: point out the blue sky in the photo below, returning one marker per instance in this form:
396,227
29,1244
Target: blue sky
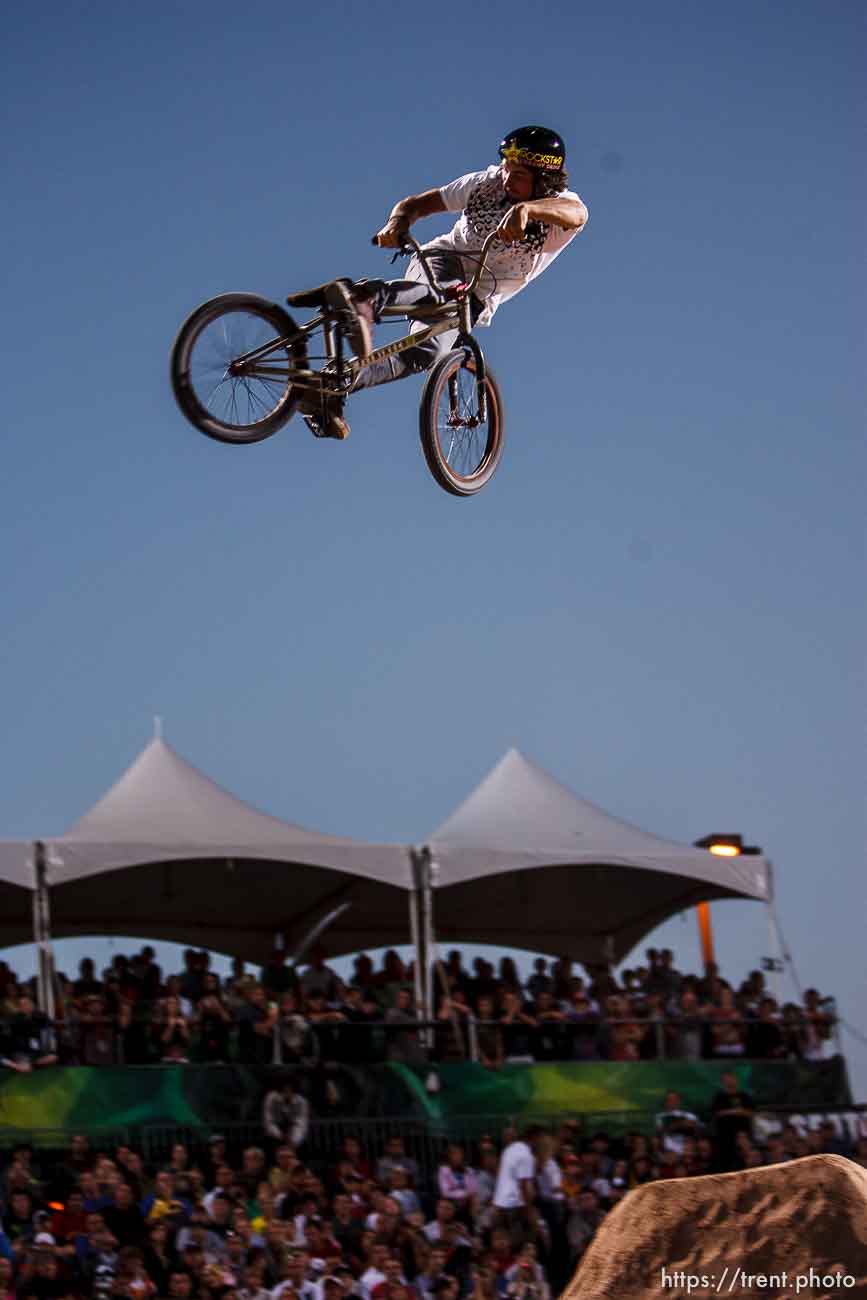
660,595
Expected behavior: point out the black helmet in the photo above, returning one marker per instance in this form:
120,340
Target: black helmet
534,146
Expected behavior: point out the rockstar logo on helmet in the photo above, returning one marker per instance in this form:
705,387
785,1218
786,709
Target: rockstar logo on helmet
534,146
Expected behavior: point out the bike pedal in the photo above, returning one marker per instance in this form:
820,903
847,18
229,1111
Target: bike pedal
314,425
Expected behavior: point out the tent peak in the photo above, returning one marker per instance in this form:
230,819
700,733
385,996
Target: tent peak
161,793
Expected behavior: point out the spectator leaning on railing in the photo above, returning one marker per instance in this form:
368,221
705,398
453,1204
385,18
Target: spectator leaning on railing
652,1012
27,1041
94,1032
171,1032
403,1043
286,1115
296,1043
212,1020
256,1019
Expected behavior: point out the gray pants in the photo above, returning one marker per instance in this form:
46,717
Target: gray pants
414,291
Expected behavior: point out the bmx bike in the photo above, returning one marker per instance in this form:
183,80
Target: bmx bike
240,365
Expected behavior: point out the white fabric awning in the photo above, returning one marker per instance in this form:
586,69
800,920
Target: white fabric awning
525,862
169,854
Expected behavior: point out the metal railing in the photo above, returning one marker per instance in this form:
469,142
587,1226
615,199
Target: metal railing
423,1141
110,1040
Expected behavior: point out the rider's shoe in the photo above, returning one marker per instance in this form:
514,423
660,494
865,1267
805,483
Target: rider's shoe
335,424
310,297
357,313
341,296
325,419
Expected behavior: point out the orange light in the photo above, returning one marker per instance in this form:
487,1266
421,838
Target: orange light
724,846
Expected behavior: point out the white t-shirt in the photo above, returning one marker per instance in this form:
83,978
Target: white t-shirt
370,1278
550,1181
482,202
307,1290
674,1141
517,1163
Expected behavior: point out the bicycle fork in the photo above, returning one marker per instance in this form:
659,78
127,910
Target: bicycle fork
466,341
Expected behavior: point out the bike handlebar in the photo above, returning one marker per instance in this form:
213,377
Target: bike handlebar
411,245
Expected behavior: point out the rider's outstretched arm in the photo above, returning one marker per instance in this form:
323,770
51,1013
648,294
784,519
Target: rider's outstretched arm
568,214
404,213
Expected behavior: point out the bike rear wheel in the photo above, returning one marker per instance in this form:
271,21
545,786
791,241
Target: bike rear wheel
462,451
228,398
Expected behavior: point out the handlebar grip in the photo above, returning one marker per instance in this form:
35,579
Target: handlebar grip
404,251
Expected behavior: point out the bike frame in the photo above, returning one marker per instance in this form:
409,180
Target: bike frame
337,381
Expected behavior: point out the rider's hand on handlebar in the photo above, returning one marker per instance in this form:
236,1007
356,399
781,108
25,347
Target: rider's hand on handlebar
514,224
392,234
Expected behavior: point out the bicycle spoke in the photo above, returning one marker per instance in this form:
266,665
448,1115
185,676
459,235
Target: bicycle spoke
249,397
217,385
462,450
463,444
254,397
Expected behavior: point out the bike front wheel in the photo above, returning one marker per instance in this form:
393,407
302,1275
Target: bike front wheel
231,367
461,449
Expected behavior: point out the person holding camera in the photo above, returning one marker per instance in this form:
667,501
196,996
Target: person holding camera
172,1032
526,1280
213,1019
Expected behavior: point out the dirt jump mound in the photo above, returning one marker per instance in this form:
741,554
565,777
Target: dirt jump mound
794,1229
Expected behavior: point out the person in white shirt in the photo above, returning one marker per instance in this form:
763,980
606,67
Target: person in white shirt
373,1275
400,1191
515,1190
295,1282
675,1124
443,1216
286,1115
524,198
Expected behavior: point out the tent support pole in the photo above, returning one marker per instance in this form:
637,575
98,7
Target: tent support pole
429,941
42,933
38,873
773,950
416,947
776,948
421,873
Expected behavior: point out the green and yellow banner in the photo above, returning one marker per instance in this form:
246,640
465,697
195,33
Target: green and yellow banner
51,1103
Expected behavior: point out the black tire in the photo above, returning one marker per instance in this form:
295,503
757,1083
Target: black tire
462,459
240,408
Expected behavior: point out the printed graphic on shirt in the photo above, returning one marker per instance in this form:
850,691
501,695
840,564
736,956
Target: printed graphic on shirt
482,202
486,207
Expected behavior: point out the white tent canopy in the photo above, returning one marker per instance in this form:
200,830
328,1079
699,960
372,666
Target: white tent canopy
16,869
168,854
16,892
524,862
163,808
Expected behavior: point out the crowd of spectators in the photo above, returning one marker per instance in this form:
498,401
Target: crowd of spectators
506,1219
133,1014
